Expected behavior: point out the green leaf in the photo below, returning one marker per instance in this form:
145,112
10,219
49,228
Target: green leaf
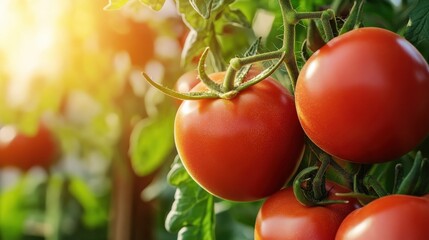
94,214
197,38
192,214
417,31
379,13
235,17
12,212
203,29
151,142
203,7
191,16
154,4
115,4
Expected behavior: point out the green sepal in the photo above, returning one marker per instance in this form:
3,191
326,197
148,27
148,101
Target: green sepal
354,19
314,37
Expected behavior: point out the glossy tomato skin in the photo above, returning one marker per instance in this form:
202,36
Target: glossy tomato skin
363,97
393,217
242,149
282,217
27,151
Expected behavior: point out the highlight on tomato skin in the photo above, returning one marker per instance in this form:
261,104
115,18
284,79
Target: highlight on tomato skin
26,151
244,148
393,217
363,97
282,217
186,82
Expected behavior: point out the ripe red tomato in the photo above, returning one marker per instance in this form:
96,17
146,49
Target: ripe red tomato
394,217
282,217
363,97
24,152
241,149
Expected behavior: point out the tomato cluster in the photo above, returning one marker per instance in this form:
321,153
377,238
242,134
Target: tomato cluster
363,97
392,217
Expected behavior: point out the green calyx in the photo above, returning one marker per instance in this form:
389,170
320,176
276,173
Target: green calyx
309,188
408,181
233,81
232,84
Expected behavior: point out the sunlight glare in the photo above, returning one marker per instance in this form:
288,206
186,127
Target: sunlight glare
31,48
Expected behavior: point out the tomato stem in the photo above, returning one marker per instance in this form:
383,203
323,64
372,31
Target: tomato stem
304,52
340,170
319,179
237,63
261,76
180,95
358,182
290,60
353,20
345,174
305,192
301,186
212,85
228,82
314,38
309,15
326,17
372,183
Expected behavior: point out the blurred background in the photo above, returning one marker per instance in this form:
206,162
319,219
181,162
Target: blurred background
71,93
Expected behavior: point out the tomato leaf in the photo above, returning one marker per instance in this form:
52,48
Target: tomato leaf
379,14
151,142
190,15
192,214
236,17
154,4
203,7
206,28
417,31
115,4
